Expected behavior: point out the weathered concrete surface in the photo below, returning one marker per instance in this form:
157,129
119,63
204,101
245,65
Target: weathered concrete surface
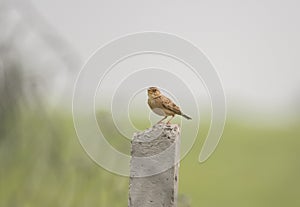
155,154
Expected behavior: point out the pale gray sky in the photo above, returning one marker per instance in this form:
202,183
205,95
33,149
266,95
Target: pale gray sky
254,45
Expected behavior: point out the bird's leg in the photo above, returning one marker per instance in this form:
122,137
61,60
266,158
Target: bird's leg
162,120
170,119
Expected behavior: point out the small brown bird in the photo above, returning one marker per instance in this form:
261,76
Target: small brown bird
162,105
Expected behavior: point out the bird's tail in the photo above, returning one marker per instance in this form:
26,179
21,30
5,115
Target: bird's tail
186,116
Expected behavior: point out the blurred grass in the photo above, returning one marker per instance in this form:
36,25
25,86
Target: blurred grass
252,166
43,164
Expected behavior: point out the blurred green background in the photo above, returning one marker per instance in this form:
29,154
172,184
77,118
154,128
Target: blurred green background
42,163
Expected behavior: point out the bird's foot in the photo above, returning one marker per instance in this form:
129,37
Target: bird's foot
160,122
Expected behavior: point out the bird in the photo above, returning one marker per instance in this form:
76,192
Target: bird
162,105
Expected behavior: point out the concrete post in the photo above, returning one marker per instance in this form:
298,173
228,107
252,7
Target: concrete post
154,167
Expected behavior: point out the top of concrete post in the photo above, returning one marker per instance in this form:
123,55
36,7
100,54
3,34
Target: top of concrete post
155,150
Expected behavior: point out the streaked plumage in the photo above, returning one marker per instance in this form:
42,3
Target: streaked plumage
163,106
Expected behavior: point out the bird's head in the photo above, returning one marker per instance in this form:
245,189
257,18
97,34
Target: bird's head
153,92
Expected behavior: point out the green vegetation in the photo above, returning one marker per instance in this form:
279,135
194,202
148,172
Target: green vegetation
43,164
252,166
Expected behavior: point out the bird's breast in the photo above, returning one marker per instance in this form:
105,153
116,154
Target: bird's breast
156,107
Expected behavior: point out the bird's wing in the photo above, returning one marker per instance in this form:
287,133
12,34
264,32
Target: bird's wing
169,105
